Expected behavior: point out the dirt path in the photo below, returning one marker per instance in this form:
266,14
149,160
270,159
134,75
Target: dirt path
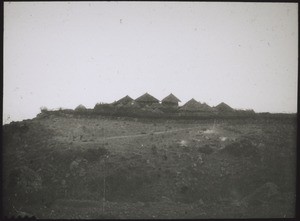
142,135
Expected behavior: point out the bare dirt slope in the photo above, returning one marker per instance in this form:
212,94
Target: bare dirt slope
100,167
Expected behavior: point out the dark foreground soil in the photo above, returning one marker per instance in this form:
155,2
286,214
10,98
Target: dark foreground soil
100,167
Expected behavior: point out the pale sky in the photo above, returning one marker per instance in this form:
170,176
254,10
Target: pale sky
62,54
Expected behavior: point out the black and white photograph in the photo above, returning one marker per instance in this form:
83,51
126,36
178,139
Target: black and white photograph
149,110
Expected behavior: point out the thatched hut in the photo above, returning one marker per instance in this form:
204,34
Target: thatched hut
195,106
170,101
123,101
80,108
222,107
191,106
146,99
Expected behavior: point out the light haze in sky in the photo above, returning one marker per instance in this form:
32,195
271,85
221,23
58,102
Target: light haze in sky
62,54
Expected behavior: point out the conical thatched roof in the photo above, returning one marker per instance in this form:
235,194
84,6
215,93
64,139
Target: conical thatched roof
224,107
192,105
206,107
147,98
124,100
80,108
170,99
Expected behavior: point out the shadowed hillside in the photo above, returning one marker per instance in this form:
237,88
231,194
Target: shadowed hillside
77,165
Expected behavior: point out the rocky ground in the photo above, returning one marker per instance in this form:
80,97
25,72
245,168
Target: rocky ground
100,167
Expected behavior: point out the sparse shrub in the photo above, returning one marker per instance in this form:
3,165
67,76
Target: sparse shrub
96,185
184,189
24,184
241,148
93,155
267,192
205,149
154,149
64,157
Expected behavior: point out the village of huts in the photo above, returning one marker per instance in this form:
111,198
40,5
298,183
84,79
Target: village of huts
146,104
